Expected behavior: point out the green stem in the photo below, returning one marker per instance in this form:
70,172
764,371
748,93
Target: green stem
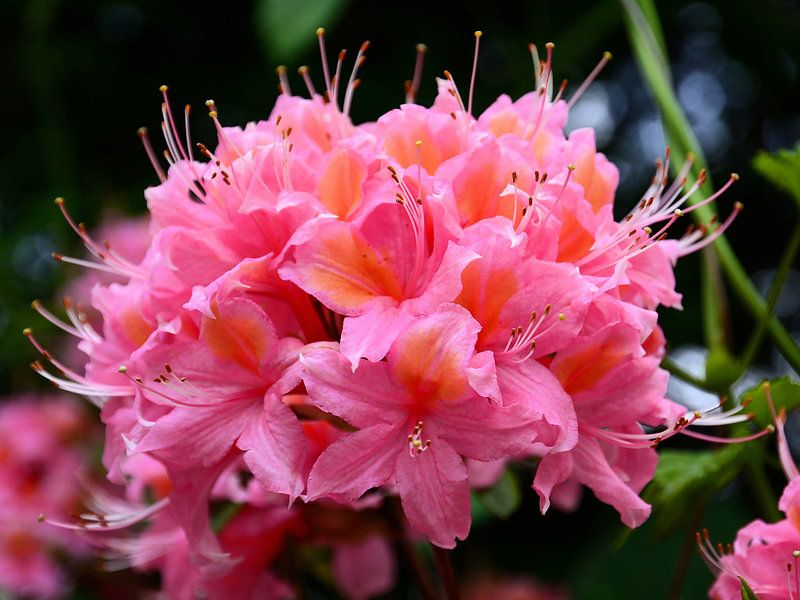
44,81
224,516
715,323
762,490
688,550
654,69
781,274
755,304
412,561
674,369
444,566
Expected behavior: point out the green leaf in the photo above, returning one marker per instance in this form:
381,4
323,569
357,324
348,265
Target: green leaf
685,478
785,394
747,591
782,169
286,27
480,514
224,514
644,34
503,498
722,370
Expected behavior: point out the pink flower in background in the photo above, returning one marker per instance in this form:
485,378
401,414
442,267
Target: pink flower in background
765,555
509,587
40,460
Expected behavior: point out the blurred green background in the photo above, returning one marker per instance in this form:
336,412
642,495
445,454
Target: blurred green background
82,76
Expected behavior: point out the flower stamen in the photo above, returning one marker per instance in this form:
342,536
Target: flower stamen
412,86
416,445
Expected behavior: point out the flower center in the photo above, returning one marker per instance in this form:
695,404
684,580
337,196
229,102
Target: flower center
416,445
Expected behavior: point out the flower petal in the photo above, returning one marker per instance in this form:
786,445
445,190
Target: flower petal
482,375
531,385
434,491
189,501
341,269
371,335
197,435
363,398
480,429
240,332
431,357
553,470
356,463
364,569
340,183
274,448
592,468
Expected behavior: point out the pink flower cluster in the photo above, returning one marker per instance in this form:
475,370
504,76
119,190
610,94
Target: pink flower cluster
437,290
40,456
257,537
765,555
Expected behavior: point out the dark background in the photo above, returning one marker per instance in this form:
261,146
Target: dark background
80,77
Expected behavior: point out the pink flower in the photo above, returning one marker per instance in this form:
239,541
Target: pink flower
507,587
39,463
765,555
365,568
224,391
380,275
430,288
421,405
614,386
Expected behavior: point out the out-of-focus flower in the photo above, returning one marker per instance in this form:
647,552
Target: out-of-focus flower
40,460
509,587
765,555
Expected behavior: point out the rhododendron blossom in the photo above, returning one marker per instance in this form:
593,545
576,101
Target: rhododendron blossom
40,461
765,555
342,314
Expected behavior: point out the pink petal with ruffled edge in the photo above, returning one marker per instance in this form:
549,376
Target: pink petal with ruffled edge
356,463
434,491
274,448
531,386
593,468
